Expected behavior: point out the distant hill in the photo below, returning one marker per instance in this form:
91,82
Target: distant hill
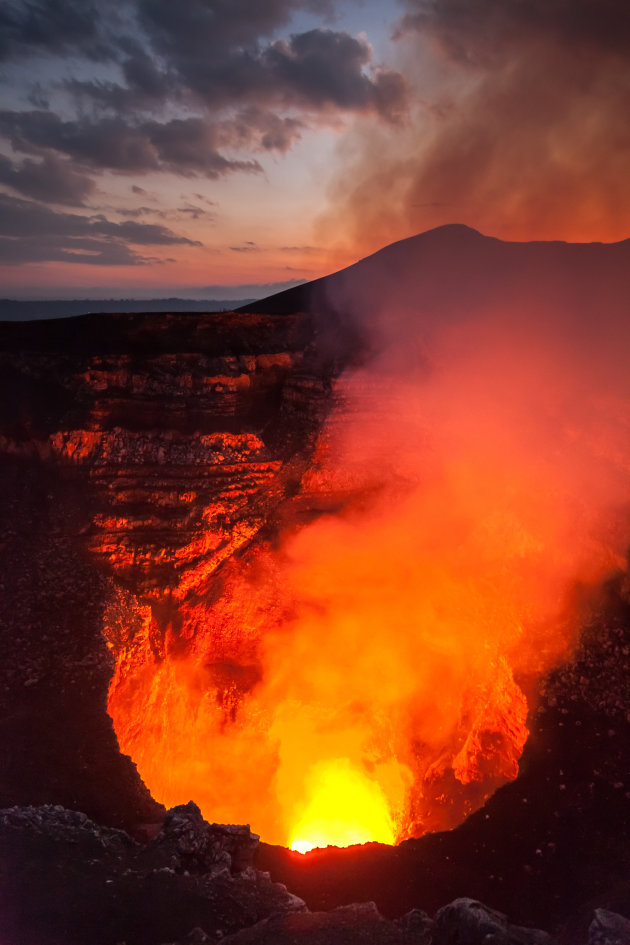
20,310
453,269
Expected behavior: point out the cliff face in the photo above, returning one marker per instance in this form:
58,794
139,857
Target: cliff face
146,448
167,442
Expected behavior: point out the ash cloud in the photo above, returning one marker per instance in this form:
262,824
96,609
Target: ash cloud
519,127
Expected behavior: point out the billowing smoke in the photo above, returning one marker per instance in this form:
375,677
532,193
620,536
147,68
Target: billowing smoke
477,459
519,127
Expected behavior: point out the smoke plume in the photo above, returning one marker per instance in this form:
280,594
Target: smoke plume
518,128
367,676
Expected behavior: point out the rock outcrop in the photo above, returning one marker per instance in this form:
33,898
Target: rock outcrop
608,928
64,879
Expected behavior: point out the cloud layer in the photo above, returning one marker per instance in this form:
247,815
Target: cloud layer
508,116
199,89
31,232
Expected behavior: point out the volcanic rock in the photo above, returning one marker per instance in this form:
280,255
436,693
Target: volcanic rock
467,922
356,924
68,881
129,446
608,928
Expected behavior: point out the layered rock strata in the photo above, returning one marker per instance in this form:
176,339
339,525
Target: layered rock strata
151,449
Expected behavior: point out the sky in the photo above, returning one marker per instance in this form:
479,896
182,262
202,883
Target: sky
229,148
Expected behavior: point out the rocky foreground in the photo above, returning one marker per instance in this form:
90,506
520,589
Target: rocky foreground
68,881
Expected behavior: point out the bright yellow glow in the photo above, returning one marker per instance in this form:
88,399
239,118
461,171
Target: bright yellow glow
345,807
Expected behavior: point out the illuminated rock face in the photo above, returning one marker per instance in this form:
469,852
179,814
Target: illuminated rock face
179,476
135,443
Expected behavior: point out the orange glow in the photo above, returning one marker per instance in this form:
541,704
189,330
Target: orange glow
344,808
365,677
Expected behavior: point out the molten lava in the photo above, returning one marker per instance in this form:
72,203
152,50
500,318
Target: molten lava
345,807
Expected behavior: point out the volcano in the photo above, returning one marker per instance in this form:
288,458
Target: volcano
348,565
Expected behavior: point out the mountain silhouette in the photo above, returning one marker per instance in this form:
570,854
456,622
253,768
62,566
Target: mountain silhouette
453,270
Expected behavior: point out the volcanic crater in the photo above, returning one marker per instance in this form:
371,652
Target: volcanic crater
348,566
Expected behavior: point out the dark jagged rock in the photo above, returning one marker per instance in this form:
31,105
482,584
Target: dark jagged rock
57,741
608,928
468,922
187,842
356,924
67,881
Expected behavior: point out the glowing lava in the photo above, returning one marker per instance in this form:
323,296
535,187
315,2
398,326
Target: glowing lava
345,808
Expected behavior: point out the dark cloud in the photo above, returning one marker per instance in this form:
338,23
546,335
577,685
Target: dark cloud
191,145
50,180
109,143
217,53
183,145
87,251
136,212
197,88
239,83
528,137
53,26
317,70
192,33
247,247
194,213
38,97
139,234
225,54
143,75
302,250
31,232
146,85
262,130
322,68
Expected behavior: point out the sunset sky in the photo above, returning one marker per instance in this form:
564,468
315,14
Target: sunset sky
227,148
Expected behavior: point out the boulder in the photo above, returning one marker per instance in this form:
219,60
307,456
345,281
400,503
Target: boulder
468,922
609,928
